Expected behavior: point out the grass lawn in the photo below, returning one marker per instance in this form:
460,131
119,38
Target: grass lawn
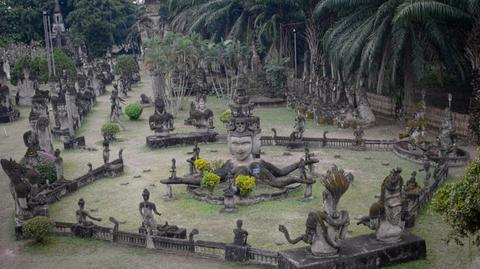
119,197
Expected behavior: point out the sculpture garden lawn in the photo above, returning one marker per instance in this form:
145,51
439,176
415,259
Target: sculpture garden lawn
119,197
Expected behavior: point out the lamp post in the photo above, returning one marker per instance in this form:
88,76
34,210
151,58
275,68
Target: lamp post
295,51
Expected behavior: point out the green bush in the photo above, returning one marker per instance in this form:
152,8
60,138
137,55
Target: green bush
459,204
126,65
225,116
47,171
64,61
245,184
210,180
38,69
38,228
110,130
134,111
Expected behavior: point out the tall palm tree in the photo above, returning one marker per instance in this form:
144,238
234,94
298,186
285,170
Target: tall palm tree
367,41
468,12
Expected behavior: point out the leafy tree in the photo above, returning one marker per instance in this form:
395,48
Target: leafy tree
38,69
126,66
100,24
134,111
277,69
459,205
64,61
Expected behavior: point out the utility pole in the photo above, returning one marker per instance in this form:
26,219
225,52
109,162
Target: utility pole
295,50
46,31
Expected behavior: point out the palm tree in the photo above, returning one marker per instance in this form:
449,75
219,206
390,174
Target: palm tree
366,42
468,12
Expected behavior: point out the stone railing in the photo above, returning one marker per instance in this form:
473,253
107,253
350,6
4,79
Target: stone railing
318,142
207,249
63,188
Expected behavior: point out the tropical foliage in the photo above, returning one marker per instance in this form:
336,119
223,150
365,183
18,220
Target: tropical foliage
245,184
202,165
209,180
459,205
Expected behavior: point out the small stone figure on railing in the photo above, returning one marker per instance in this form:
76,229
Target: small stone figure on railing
241,235
428,174
298,128
147,210
386,214
309,181
173,175
83,228
358,133
325,228
412,185
106,151
191,161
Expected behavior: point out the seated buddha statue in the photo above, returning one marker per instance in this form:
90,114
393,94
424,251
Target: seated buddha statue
161,121
200,116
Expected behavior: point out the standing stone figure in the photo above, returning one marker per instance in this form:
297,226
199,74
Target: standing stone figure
147,210
58,165
83,228
173,175
426,168
298,128
241,235
42,129
327,227
116,107
358,133
386,214
106,151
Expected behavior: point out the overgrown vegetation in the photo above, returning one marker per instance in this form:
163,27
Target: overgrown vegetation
38,228
110,130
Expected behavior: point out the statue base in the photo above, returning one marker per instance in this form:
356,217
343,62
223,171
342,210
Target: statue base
75,143
59,133
10,116
293,145
358,252
163,141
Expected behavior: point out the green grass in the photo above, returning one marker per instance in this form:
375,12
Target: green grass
110,198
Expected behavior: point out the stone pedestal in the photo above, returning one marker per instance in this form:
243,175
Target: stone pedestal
82,231
308,193
359,252
229,205
168,196
163,141
235,253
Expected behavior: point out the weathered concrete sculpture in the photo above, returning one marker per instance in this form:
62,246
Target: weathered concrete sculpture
161,121
326,228
147,210
200,116
385,215
7,112
83,228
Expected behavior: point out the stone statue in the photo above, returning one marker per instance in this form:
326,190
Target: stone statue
426,168
7,112
358,133
173,175
241,235
385,215
83,228
161,121
31,158
200,116
195,156
22,193
82,215
298,128
327,227
42,129
147,210
412,185
116,107
58,165
447,134
244,144
106,151
229,193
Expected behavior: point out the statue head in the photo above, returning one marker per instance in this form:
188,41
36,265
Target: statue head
146,195
81,203
239,224
240,146
42,123
201,102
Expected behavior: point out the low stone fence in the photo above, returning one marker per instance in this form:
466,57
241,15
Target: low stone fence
207,249
319,142
63,188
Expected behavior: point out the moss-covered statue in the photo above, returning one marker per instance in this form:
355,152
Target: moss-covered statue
327,227
161,121
386,215
244,145
200,116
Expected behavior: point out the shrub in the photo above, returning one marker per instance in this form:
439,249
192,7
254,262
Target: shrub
459,204
47,171
126,66
210,180
134,111
110,130
64,61
245,184
38,228
202,165
225,116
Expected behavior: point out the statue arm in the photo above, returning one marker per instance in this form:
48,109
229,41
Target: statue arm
155,210
281,172
92,217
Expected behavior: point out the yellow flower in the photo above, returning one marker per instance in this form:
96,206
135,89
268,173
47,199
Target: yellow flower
202,165
210,180
246,184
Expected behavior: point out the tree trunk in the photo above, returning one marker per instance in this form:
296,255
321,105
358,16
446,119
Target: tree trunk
383,70
408,87
158,85
473,54
365,112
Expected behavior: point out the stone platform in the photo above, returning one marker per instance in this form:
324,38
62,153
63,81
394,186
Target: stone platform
163,141
10,116
358,252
